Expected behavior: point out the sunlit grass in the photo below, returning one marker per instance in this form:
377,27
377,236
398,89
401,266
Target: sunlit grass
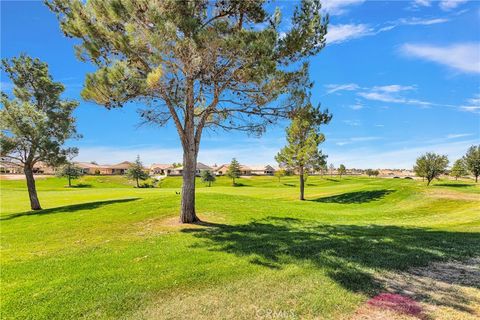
107,250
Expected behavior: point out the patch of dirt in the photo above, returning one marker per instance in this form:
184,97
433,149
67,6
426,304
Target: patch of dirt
152,227
454,195
443,290
21,176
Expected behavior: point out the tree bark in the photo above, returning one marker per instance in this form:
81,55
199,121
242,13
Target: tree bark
137,182
187,214
32,190
302,184
69,181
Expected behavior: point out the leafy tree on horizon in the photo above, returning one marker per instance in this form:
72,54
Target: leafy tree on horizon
371,172
36,121
472,161
137,172
303,139
208,176
342,170
459,169
233,170
430,166
69,171
280,173
203,64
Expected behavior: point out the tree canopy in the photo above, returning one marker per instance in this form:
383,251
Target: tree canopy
430,166
303,138
208,177
233,170
342,170
458,169
472,161
69,171
35,122
137,171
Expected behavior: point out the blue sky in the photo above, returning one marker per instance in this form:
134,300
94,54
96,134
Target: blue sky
400,77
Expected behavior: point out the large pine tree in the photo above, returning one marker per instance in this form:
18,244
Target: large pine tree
199,63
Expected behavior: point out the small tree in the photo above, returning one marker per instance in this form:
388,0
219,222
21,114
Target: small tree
35,122
472,161
303,139
208,176
280,173
331,168
371,172
342,170
69,171
233,170
430,166
458,169
137,171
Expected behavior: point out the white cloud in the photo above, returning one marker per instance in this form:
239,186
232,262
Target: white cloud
393,88
464,57
343,32
331,88
356,106
423,3
473,105
458,135
353,123
338,7
450,4
445,5
421,22
338,33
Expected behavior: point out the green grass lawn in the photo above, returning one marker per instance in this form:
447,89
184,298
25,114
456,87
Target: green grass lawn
106,250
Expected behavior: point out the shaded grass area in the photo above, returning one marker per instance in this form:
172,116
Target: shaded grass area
109,251
355,197
67,209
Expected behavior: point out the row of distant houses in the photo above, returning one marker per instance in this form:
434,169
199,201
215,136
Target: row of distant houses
121,168
246,170
160,169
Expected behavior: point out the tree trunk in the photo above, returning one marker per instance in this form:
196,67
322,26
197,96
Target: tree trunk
32,190
428,182
302,184
138,186
476,179
187,214
69,181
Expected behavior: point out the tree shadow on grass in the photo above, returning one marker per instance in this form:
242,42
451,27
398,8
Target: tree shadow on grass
332,180
67,209
455,185
355,197
347,253
82,185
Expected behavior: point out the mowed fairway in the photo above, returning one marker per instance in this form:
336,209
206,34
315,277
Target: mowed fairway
106,250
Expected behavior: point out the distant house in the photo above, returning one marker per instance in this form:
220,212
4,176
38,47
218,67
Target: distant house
104,169
7,166
13,167
200,167
248,170
161,169
120,168
262,170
